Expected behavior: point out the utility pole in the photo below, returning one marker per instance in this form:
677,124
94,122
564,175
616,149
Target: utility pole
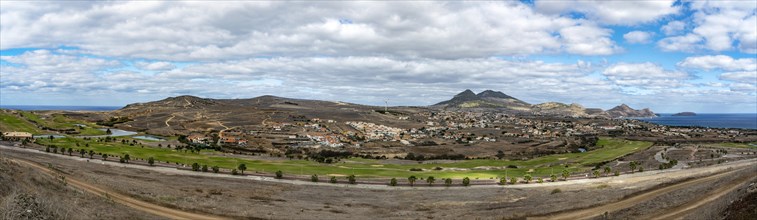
386,106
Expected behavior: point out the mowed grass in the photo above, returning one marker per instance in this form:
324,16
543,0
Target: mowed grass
11,122
59,121
738,145
481,169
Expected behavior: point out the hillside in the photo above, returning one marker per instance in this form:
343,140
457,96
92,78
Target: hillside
485,99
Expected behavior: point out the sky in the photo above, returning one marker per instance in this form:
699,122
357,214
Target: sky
669,56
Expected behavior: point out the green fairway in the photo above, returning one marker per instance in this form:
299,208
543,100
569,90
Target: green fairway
12,122
60,122
483,169
738,145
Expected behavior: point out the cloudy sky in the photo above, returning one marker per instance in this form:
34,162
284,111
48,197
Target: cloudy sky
667,55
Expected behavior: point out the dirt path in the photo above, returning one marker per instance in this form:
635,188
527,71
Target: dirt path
120,198
169,119
681,211
629,202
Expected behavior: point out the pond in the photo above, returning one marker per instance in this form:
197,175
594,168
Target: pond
149,138
113,133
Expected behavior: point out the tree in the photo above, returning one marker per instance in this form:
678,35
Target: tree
608,170
565,174
527,178
503,180
314,178
108,132
430,180
641,169
352,179
411,179
632,165
204,168
105,157
215,169
500,154
279,174
47,149
151,161
82,152
127,158
333,179
513,180
448,182
539,180
553,177
617,173
91,154
596,173
70,151
466,181
242,167
393,182
195,167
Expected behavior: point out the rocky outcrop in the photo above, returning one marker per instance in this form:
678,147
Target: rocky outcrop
685,114
625,111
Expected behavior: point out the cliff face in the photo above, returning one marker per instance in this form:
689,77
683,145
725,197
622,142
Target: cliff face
624,111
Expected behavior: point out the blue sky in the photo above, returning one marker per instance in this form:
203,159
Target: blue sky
669,56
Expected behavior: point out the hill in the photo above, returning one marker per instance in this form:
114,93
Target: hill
485,99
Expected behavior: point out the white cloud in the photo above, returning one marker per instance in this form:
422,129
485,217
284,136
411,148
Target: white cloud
154,65
722,62
673,27
588,40
638,37
613,12
204,31
719,26
645,76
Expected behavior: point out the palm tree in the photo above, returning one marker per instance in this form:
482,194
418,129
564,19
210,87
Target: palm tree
430,180
565,174
91,154
412,179
242,168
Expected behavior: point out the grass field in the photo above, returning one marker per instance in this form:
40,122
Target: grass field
541,166
738,145
61,122
12,122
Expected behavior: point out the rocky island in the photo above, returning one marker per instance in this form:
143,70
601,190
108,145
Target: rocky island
685,114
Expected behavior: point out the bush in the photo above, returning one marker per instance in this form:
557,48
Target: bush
234,172
314,178
195,167
279,174
204,168
352,179
393,182
466,181
215,169
554,191
416,169
333,179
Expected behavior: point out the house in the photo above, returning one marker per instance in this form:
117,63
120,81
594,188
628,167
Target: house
15,135
198,138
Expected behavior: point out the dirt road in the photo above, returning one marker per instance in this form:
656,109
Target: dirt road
669,214
120,198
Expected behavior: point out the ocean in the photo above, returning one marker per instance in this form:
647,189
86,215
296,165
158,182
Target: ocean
745,120
58,107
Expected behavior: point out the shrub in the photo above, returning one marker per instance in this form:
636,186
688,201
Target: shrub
195,167
215,169
466,181
554,191
352,179
279,174
416,169
204,168
393,182
333,179
234,172
314,178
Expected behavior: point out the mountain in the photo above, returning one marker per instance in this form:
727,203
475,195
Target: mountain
485,99
624,111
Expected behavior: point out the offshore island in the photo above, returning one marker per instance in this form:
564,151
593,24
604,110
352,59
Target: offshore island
483,155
